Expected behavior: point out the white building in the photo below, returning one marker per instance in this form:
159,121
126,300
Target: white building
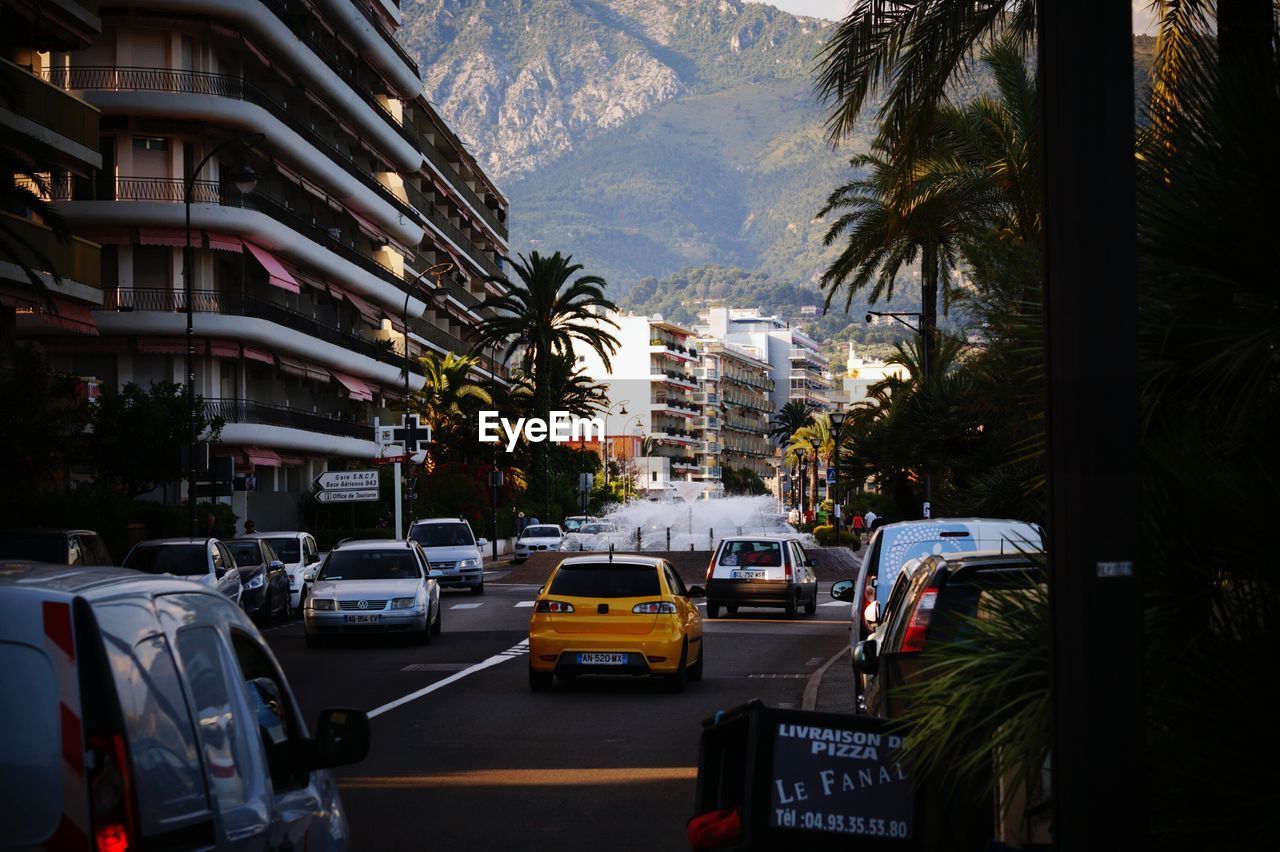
799,371
860,375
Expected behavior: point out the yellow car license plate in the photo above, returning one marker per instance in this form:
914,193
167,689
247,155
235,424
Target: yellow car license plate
602,659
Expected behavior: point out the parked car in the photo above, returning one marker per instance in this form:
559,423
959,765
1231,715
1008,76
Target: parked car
767,570
574,522
205,560
535,539
934,600
301,558
453,552
153,716
263,580
59,547
629,615
893,545
375,585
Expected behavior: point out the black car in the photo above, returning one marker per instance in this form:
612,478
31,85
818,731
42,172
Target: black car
58,547
933,601
263,579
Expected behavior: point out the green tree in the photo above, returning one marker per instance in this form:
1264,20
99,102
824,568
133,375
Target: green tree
137,436
447,398
42,418
786,420
572,389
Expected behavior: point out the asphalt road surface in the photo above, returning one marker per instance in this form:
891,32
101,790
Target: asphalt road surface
465,756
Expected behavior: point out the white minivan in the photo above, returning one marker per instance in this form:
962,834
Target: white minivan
146,712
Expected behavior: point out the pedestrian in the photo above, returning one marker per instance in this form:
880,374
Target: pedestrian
870,518
211,526
858,525
250,527
521,523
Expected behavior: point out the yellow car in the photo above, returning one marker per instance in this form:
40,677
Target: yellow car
615,615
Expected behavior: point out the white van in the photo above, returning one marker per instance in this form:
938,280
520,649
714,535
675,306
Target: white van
146,712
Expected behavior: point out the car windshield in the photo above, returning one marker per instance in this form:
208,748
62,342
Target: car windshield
573,524
35,548
605,580
370,565
593,529
286,548
762,554
445,534
245,553
541,532
187,560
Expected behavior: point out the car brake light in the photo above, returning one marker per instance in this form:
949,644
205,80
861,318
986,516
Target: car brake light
553,606
110,793
918,626
654,608
787,568
711,566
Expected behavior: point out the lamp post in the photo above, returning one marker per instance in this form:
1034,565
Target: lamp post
802,471
626,487
245,179
814,442
897,316
622,412
435,271
837,419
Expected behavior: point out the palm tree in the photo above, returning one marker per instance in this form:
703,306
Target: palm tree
789,418
447,397
912,51
572,389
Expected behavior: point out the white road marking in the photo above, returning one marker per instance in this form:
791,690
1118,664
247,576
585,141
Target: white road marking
810,698
514,651
523,604
466,606
836,603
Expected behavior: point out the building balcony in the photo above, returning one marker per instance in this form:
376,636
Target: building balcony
466,246
669,435
672,377
249,411
111,88
420,129
73,260
63,127
675,351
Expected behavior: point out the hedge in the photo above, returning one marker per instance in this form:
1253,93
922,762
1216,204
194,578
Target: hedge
825,535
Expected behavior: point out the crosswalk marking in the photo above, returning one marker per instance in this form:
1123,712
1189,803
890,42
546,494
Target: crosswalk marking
524,604
835,603
466,606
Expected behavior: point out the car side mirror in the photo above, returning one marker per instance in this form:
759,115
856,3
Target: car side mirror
843,591
541,589
812,563
275,564
313,559
697,592
342,738
482,542
871,614
864,656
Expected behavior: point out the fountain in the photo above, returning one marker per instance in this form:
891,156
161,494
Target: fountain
687,523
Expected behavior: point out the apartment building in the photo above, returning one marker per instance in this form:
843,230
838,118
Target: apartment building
800,373
47,130
736,397
654,377
329,198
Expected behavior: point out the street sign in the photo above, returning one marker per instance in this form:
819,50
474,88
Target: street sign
340,480
391,460
831,475
363,495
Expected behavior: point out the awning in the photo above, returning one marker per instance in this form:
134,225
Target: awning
265,458
224,242
259,355
66,314
291,461
222,349
356,388
161,346
317,374
371,230
292,367
364,308
166,237
276,273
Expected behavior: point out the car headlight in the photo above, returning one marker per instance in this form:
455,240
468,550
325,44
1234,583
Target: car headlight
403,603
256,582
469,563
322,603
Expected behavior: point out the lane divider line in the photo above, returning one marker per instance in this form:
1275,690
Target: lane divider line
523,604
516,650
466,606
810,699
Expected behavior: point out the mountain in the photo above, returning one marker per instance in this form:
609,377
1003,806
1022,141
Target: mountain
642,136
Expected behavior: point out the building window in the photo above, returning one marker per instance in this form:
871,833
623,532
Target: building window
150,143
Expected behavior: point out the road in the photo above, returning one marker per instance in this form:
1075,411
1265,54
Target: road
465,756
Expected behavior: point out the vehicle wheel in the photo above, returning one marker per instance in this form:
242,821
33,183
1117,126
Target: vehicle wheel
264,614
540,681
713,610
478,590
732,609
424,638
677,682
695,670
812,606
791,606
439,622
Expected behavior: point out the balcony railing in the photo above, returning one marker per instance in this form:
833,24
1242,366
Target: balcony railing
73,259
450,343
250,411
232,304
429,212
123,79
34,99
445,167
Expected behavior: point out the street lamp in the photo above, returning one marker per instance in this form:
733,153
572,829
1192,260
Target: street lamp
815,442
924,376
837,419
622,412
626,483
435,271
245,180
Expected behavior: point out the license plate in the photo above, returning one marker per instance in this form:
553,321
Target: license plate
363,619
602,659
748,575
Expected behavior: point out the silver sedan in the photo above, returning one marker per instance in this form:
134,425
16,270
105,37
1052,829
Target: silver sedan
373,586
